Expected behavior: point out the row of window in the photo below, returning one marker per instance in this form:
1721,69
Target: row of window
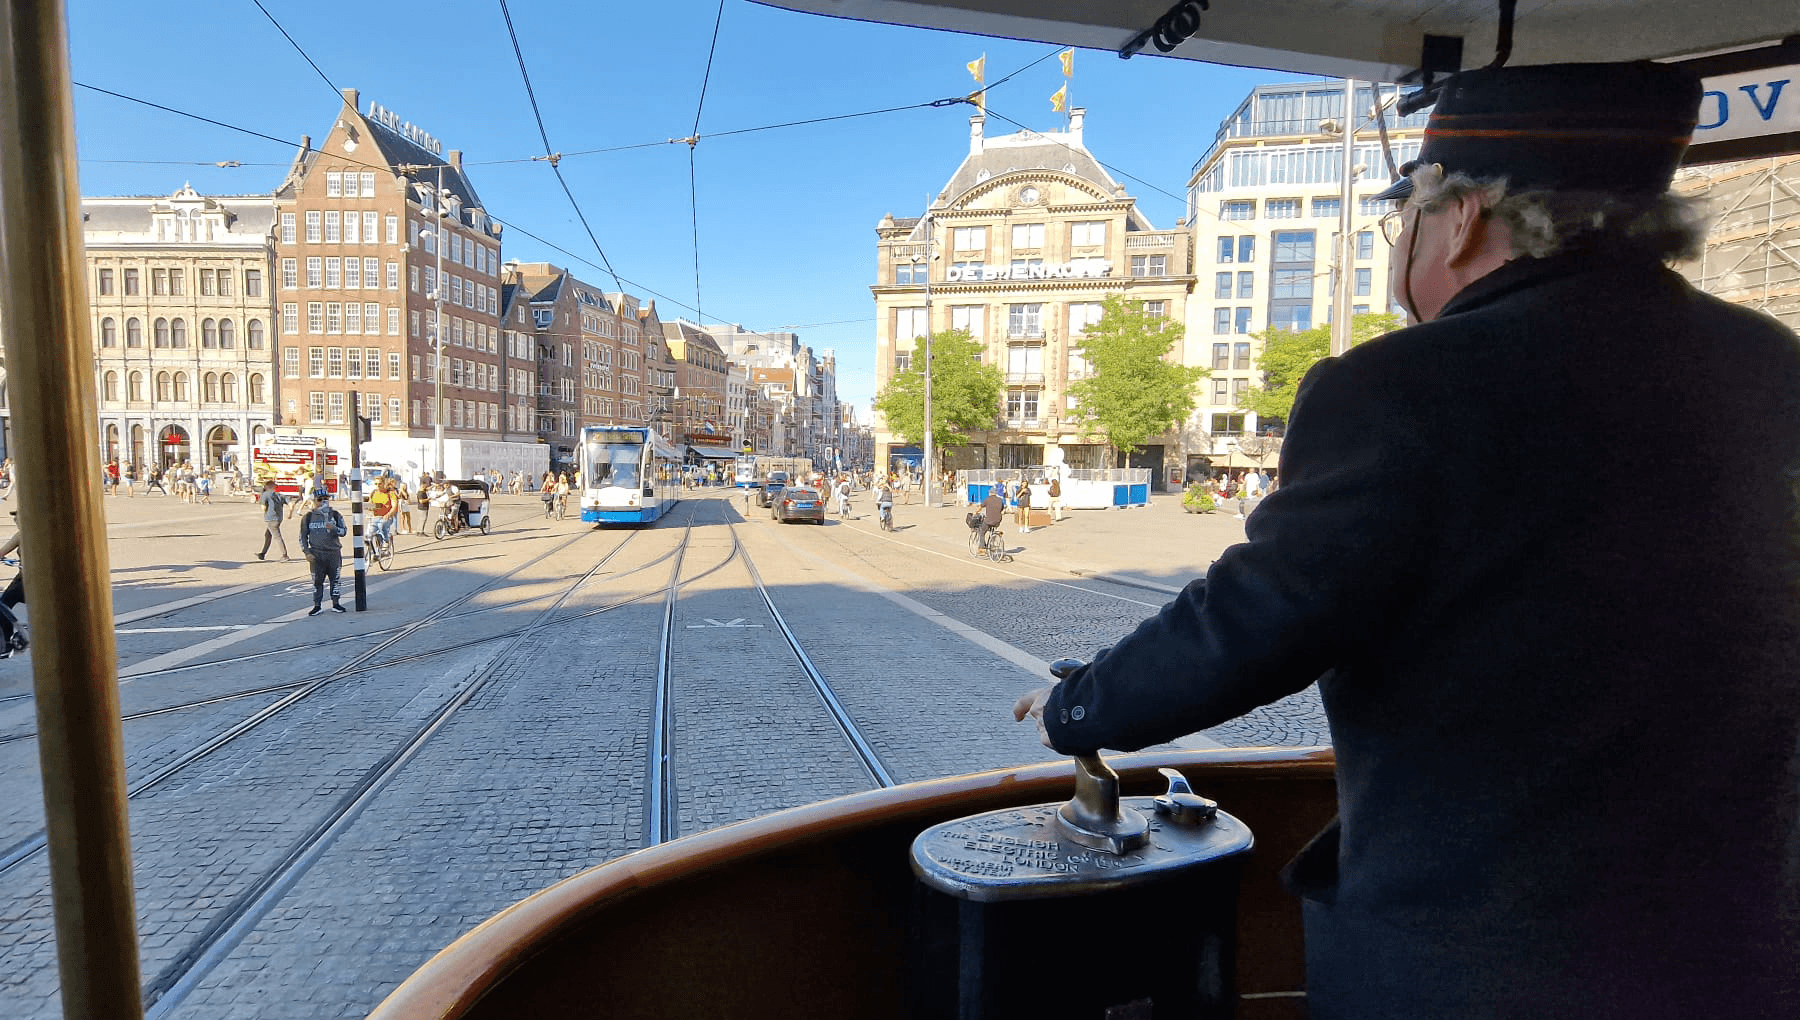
1290,208
1296,317
340,317
169,282
1290,246
1082,234
349,185
343,226
457,291
216,388
466,253
172,334
1286,283
1023,321
336,273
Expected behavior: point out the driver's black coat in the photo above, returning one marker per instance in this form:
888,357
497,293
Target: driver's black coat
1540,554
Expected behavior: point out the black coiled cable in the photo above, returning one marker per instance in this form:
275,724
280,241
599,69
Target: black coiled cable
1175,27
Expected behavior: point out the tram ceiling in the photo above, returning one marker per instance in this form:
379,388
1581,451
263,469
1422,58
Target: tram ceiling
1380,40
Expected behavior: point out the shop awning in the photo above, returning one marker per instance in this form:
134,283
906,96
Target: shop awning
713,452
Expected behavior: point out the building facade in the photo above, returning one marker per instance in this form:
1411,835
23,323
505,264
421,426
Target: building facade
387,266
183,320
1020,248
699,368
1265,204
556,332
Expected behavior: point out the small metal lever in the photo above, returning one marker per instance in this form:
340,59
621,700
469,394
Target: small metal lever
1094,818
1181,804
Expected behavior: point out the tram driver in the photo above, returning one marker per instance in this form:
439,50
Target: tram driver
1567,728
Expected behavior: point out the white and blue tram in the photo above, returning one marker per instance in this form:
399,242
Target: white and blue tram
629,475
745,471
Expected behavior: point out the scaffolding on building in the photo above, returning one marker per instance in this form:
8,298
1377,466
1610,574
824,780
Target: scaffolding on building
1752,255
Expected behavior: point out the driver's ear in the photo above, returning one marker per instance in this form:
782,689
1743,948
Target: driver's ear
1471,230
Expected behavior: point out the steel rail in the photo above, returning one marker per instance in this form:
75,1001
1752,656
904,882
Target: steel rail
865,752
660,790
28,847
228,928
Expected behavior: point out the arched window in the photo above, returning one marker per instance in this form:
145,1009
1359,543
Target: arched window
210,387
134,332
136,386
228,388
255,331
209,334
181,386
256,388
162,333
163,391
109,332
178,333
227,335
112,385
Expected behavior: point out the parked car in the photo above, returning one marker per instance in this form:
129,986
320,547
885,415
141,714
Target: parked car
770,487
795,503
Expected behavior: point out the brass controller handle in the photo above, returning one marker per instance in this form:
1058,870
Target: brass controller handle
1181,804
1094,818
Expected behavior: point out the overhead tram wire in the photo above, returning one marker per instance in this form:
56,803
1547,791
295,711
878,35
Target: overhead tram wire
693,142
511,224
550,151
303,55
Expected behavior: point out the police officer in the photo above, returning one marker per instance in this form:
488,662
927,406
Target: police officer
1567,728
320,531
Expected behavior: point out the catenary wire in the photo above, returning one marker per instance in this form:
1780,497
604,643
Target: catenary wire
693,173
511,224
303,55
549,150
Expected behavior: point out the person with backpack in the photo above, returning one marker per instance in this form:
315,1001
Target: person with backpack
320,531
1056,498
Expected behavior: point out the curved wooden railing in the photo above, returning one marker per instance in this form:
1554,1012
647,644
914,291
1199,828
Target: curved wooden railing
804,912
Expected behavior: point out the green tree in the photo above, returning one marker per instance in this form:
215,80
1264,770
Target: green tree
965,393
1287,355
1133,391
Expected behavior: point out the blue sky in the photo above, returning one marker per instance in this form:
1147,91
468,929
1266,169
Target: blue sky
786,217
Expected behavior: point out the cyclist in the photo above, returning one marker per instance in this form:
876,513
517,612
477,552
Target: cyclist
384,504
993,511
884,503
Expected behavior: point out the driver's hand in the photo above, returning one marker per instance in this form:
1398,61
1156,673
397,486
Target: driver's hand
1032,704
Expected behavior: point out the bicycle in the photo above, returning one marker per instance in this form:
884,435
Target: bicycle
381,549
885,512
20,638
993,546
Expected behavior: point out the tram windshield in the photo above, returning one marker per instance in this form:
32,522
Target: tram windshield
619,464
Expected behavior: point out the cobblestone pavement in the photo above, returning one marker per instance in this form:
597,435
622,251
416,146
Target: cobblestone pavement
543,771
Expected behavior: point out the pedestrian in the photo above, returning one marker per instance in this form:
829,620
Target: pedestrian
403,504
155,481
1511,689
129,476
1023,512
843,496
1056,503
562,495
12,632
273,504
320,533
203,485
422,496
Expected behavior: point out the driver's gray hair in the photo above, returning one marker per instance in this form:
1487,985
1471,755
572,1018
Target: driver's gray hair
1664,226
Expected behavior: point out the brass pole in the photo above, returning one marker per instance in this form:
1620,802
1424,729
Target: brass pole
49,358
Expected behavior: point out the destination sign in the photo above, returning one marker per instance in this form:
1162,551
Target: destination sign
405,129
1085,269
1749,104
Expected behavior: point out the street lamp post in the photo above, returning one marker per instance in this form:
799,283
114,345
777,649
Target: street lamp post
930,484
438,241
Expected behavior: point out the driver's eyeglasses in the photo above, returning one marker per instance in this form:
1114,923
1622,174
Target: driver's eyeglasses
1392,224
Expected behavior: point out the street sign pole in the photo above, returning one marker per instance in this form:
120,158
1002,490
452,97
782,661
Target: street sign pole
358,563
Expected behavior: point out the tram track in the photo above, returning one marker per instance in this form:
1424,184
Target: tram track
30,846
195,602
226,929
662,816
